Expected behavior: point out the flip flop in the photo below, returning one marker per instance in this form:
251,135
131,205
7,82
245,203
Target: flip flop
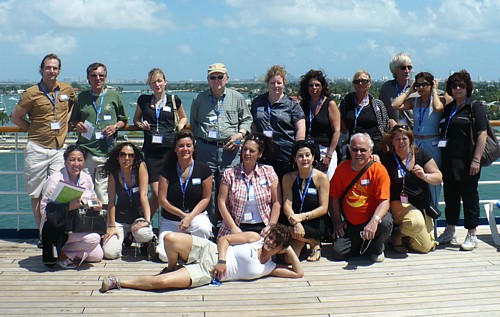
315,254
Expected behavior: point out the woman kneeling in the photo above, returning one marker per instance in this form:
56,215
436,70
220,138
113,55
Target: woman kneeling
240,256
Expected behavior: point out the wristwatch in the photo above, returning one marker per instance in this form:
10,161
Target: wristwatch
379,220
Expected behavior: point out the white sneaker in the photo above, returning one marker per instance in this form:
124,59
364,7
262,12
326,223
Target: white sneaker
470,242
378,257
447,236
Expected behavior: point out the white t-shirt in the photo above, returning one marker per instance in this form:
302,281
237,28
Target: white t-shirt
242,262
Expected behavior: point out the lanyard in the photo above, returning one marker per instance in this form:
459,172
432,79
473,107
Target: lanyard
158,110
312,113
422,111
129,190
302,195
358,112
98,111
452,114
217,109
185,184
400,91
52,101
248,185
400,168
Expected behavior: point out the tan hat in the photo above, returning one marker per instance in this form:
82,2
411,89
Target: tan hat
217,68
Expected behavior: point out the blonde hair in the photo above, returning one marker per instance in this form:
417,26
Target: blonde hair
153,72
276,70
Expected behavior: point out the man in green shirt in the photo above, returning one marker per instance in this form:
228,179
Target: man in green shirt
97,116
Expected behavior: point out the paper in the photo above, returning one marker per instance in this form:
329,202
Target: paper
90,130
65,193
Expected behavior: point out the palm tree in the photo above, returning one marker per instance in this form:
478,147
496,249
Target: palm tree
4,117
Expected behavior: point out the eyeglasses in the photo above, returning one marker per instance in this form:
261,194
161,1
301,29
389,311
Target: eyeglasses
360,81
98,75
400,127
356,150
314,85
421,85
124,155
216,77
405,67
458,86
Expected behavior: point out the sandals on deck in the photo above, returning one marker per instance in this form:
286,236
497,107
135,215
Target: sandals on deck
315,254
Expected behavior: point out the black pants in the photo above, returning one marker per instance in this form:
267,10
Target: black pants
350,244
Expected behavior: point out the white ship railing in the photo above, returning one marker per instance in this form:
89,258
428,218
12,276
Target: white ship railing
16,140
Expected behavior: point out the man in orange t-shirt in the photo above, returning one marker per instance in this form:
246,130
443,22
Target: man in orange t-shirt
367,224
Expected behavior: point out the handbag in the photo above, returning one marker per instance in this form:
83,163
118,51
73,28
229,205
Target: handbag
176,113
89,220
432,212
491,149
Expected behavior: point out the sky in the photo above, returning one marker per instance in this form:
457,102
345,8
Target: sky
183,37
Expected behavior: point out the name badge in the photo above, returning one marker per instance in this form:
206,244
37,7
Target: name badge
442,143
212,119
135,189
213,135
64,98
312,191
107,117
260,109
196,181
400,175
167,109
404,198
268,133
365,182
247,216
263,182
157,139
99,135
55,125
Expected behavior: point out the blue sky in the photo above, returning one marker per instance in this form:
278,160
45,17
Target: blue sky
184,36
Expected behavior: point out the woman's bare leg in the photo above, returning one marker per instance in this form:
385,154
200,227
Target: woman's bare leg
175,279
153,200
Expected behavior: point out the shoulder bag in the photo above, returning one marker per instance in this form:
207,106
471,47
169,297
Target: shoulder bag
176,113
89,220
491,149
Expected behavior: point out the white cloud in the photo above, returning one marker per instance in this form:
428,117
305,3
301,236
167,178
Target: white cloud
48,42
185,49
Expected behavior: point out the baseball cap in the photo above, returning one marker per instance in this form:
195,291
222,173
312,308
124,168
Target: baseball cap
217,68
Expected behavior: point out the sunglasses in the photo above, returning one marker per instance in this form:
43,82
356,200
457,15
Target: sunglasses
409,67
458,86
124,155
421,85
356,150
361,81
216,77
400,127
314,85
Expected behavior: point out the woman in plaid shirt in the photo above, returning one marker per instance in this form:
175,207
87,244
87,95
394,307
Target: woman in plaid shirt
249,197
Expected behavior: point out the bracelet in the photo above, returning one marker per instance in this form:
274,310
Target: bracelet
377,218
328,156
221,261
116,127
476,161
307,215
425,175
111,226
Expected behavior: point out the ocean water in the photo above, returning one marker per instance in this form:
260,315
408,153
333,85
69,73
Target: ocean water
12,161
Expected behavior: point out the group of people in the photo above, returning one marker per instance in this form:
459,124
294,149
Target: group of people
260,180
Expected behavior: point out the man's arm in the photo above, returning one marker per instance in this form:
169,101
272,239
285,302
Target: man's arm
17,118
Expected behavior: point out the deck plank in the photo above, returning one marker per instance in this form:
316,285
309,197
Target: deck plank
446,282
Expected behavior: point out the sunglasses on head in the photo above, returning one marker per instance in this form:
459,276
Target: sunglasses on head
216,77
409,67
360,81
401,127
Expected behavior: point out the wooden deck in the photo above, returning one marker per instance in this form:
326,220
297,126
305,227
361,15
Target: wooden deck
447,282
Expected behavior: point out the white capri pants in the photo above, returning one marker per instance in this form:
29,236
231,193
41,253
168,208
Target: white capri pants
113,248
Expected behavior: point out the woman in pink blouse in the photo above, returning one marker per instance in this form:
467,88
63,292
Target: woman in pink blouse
249,196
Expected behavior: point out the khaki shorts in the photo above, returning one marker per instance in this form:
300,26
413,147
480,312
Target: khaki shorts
201,261
39,164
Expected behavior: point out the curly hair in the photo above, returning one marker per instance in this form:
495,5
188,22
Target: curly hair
457,77
282,234
304,84
276,70
112,165
307,143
